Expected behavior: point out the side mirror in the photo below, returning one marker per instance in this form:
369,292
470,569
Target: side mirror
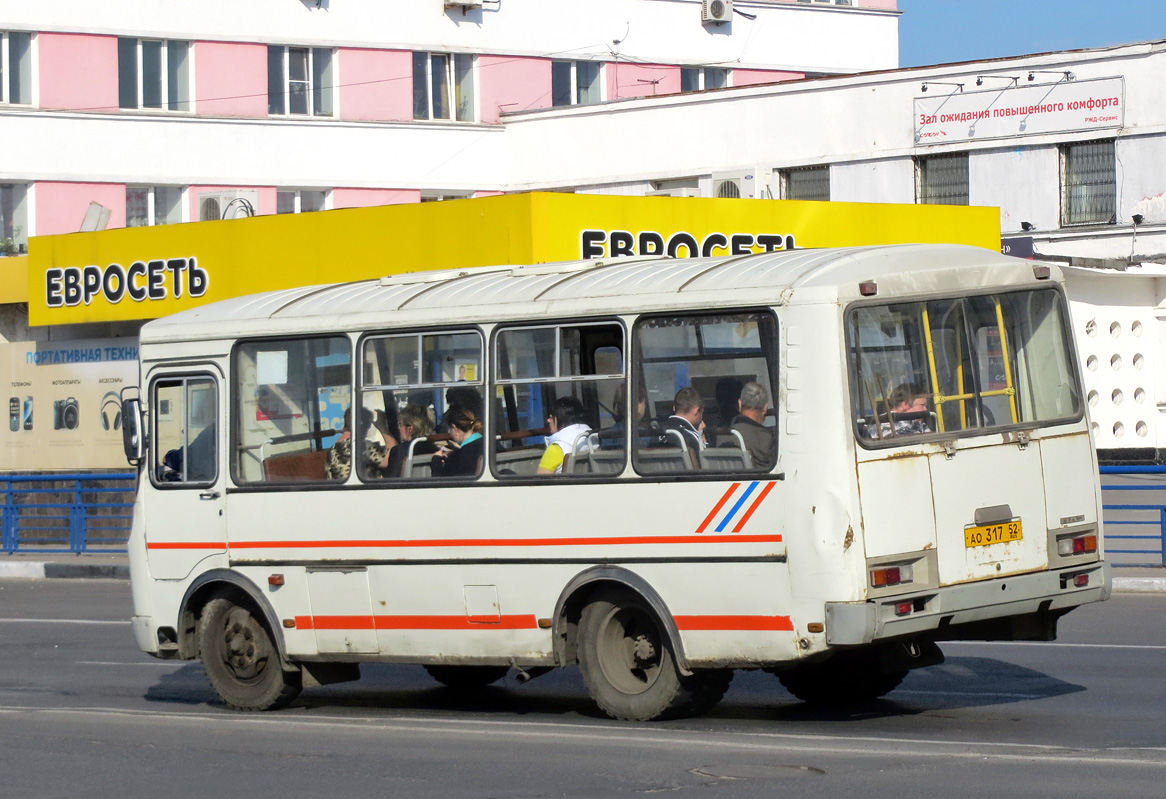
133,436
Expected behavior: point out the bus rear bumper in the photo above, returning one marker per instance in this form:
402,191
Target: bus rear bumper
1019,607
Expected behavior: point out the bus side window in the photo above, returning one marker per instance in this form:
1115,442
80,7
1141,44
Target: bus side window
291,399
559,401
185,438
707,393
409,383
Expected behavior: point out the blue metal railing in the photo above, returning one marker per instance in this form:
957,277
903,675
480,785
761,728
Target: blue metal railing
1151,527
66,512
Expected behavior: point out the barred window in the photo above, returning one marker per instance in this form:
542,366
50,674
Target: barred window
807,183
1088,183
942,180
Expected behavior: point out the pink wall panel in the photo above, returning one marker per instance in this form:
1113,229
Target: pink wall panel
640,80
78,71
230,79
749,77
511,83
378,85
363,198
891,4
61,207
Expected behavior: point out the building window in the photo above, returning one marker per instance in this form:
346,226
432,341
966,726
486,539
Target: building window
693,79
299,202
16,68
153,205
575,83
153,74
299,81
443,86
13,218
806,183
1088,183
942,180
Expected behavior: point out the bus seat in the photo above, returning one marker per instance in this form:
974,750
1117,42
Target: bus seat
728,455
596,460
296,466
520,461
676,458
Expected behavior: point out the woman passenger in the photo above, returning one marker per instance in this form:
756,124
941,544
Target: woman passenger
466,430
412,422
567,422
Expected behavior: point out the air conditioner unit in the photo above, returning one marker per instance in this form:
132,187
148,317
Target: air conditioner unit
235,204
683,192
747,185
718,11
463,3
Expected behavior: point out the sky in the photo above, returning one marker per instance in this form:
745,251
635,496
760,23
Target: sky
945,31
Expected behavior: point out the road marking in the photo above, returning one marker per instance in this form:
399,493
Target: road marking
63,621
156,663
1055,644
604,734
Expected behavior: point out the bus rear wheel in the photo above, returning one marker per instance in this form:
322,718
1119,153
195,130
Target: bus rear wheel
628,666
241,661
465,678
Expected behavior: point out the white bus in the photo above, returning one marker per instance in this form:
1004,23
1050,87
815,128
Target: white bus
888,449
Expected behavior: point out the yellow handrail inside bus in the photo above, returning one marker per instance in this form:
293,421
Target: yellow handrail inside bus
1009,389
939,398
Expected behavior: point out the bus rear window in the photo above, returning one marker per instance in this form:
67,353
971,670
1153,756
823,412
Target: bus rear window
955,365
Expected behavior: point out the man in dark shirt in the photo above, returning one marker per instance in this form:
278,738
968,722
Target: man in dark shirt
759,439
688,418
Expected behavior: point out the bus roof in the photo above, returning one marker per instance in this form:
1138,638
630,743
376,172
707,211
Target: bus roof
579,288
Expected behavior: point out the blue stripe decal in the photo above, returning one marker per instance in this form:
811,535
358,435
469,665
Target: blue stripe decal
729,516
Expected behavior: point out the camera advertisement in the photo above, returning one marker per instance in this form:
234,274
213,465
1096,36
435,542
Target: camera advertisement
64,403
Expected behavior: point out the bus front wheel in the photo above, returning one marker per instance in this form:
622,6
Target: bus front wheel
628,666
241,660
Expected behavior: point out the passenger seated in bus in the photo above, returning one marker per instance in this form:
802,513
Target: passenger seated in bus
615,437
688,417
466,430
375,453
750,423
567,421
412,422
907,413
727,393
466,397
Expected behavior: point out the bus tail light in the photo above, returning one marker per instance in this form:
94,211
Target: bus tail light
1077,544
904,608
1081,580
891,575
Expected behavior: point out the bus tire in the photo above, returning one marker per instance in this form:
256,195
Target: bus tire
241,660
847,679
466,678
628,665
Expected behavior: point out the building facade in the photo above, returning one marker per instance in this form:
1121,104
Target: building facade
165,112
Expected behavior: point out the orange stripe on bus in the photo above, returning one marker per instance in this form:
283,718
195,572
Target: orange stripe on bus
476,542
716,509
512,622
780,623
756,504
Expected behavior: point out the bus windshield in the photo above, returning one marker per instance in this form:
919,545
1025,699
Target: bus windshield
958,365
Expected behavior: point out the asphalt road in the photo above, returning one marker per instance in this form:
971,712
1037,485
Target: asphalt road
83,712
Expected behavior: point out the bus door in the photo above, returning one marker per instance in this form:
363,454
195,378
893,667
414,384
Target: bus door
185,522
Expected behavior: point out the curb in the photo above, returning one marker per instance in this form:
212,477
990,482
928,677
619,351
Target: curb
85,571
1139,584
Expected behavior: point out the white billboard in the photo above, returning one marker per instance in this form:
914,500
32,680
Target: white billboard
1018,109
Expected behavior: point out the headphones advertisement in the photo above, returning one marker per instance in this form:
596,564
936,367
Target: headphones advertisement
64,403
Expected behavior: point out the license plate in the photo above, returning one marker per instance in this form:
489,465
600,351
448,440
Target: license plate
985,534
